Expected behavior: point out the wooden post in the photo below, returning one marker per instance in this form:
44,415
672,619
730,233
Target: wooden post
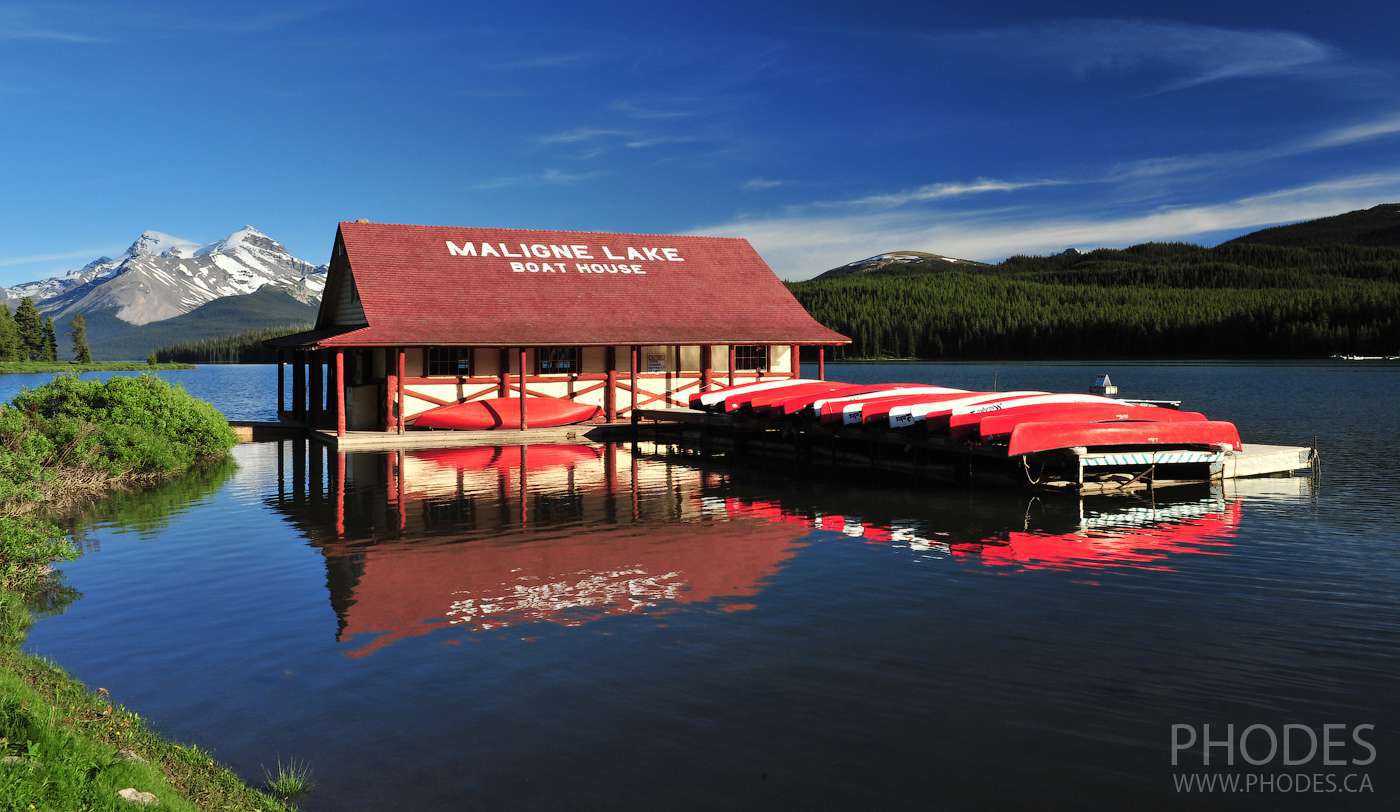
340,393
402,367
523,421
298,387
821,363
281,384
610,395
390,387
505,373
706,367
796,363
732,357
633,372
318,397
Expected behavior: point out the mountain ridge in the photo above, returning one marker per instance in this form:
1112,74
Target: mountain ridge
161,276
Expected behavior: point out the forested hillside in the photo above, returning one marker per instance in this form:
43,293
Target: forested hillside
1307,296
240,348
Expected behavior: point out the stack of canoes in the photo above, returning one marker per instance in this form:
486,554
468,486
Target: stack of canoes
1025,422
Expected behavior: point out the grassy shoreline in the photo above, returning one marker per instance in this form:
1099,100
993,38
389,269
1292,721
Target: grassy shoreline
25,367
63,746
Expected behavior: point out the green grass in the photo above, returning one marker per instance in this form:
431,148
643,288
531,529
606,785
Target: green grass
23,367
76,749
289,780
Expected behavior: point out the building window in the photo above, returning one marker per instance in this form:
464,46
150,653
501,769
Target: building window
450,361
554,360
751,356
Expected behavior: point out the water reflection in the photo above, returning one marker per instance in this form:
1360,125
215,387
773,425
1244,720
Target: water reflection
420,541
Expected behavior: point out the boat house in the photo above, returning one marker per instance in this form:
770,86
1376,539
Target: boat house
418,317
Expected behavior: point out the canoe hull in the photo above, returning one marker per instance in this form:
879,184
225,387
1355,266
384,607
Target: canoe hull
1000,424
1030,438
504,413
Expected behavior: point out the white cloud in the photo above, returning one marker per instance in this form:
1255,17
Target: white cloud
579,135
760,184
1383,127
554,177
936,191
647,142
650,112
1196,54
799,246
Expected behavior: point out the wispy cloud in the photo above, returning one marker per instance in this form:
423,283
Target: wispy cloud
580,134
935,191
647,112
24,24
552,177
84,254
541,61
760,184
1190,54
647,142
1384,126
799,246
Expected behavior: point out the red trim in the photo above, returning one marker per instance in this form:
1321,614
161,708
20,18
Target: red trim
633,387
340,400
731,364
821,363
523,422
706,366
610,399
403,370
795,360
391,385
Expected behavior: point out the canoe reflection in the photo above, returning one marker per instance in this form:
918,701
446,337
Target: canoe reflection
485,538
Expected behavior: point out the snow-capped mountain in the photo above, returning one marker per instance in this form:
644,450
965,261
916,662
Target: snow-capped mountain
899,260
161,276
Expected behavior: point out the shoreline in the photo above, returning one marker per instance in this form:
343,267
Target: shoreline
31,367
64,745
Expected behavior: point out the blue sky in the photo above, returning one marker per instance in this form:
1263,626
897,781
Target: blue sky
823,132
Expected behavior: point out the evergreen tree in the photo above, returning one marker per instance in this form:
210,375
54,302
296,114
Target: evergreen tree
78,327
9,336
31,331
50,341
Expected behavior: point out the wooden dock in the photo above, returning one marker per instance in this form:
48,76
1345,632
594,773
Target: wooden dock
904,453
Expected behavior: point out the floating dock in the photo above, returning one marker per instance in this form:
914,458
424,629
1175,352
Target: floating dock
908,454
921,455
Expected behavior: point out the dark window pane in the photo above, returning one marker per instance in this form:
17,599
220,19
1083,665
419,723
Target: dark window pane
751,356
554,360
450,361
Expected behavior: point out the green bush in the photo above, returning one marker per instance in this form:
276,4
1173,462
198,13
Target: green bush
120,426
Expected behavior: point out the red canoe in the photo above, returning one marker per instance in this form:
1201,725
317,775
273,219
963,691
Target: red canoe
997,424
1028,438
846,393
713,400
911,413
876,409
504,413
773,401
536,457
850,410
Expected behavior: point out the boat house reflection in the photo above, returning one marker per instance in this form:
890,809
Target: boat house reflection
489,537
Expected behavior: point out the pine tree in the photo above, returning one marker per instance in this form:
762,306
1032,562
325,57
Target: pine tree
78,327
31,331
9,336
50,341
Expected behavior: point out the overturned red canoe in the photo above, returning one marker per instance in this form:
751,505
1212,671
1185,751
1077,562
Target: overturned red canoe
536,457
1028,438
714,399
504,413
998,424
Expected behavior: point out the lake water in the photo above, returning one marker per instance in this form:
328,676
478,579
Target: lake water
637,627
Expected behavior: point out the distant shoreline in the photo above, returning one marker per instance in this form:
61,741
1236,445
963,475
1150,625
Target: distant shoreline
28,367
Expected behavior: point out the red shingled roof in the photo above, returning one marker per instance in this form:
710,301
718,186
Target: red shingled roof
691,290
